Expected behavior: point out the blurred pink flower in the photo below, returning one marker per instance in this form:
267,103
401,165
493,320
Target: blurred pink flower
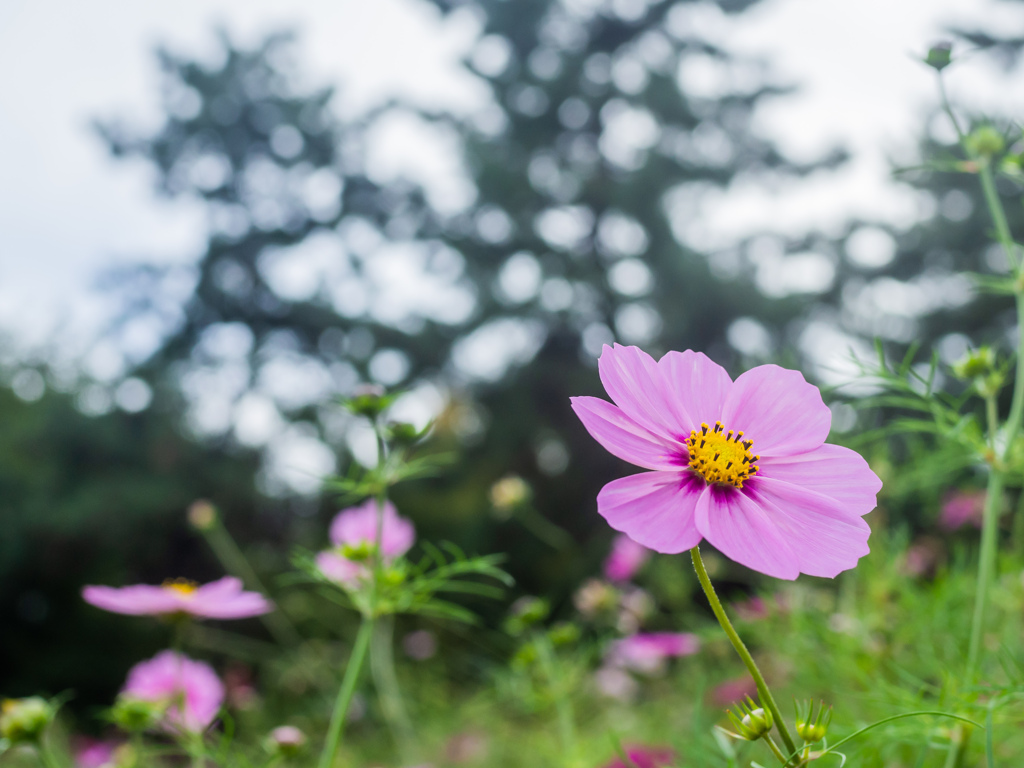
93,753
221,599
731,691
625,559
924,556
191,689
616,683
648,652
355,528
961,508
752,609
644,757
795,506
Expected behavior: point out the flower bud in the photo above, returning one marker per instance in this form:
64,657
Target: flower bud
975,364
202,515
368,400
24,720
985,141
526,612
564,633
285,741
134,715
401,434
939,55
755,722
811,727
509,494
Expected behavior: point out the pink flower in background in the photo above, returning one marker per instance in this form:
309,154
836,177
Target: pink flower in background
648,652
734,690
961,508
741,463
221,599
752,609
625,559
644,757
191,689
92,753
356,529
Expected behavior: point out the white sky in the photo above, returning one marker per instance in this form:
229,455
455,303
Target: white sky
66,210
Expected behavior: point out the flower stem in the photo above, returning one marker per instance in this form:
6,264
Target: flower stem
762,687
382,666
563,706
775,749
345,693
236,563
986,566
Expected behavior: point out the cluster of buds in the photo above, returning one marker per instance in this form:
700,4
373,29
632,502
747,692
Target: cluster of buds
752,722
812,727
22,721
981,368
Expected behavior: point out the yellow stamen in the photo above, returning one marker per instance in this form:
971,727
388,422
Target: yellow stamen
183,587
721,457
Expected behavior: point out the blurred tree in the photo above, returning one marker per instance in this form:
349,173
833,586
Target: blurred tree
607,127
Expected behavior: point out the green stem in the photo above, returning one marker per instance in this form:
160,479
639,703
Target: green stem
563,706
762,687
236,563
382,666
345,693
986,563
775,749
995,207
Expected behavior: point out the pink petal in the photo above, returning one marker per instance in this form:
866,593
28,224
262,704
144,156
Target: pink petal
222,588
742,530
358,525
778,410
135,600
633,380
240,606
697,381
826,538
340,569
167,676
625,559
833,470
654,509
623,437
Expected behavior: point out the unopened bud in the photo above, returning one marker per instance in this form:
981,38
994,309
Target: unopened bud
202,515
975,364
755,721
368,400
285,741
508,494
23,721
526,612
811,727
940,55
985,141
136,715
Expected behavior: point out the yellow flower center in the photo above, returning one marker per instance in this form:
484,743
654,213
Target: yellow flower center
721,457
183,587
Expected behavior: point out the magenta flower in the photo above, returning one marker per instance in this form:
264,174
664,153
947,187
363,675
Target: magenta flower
645,757
93,753
647,652
354,531
741,463
190,690
729,692
625,559
961,508
221,599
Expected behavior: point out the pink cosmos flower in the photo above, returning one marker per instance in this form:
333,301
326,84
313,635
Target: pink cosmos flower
741,463
191,689
221,599
961,508
625,559
356,529
648,652
645,757
92,753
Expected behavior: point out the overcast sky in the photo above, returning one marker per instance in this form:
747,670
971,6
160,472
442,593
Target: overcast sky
66,210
